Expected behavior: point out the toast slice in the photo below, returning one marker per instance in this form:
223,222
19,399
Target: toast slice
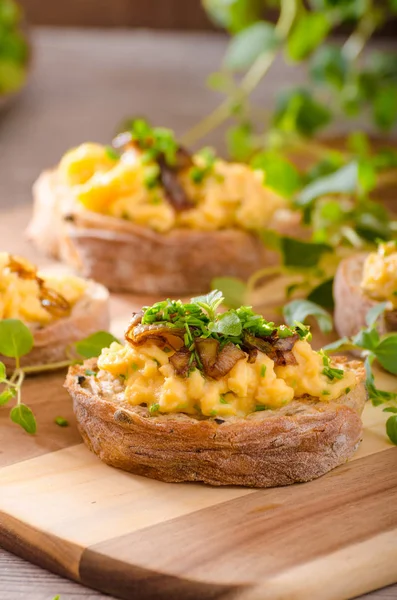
298,442
132,258
351,304
89,314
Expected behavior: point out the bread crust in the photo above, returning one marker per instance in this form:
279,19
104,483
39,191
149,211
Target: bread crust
351,304
89,314
127,257
297,443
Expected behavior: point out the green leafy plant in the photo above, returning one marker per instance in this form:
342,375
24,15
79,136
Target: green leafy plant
373,346
16,341
13,48
340,77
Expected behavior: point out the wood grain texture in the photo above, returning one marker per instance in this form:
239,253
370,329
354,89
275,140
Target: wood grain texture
58,111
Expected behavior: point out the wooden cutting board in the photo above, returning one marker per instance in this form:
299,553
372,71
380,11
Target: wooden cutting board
61,508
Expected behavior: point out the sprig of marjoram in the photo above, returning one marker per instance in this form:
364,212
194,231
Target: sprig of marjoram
16,341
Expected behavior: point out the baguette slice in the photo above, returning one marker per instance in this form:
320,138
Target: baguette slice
89,314
131,258
351,304
297,443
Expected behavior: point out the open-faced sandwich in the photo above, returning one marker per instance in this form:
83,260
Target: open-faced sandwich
361,281
147,216
59,309
226,399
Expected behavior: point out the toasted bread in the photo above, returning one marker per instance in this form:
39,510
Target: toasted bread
89,314
351,303
296,443
132,258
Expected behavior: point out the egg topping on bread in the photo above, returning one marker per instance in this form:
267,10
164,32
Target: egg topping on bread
34,297
379,279
154,182
186,358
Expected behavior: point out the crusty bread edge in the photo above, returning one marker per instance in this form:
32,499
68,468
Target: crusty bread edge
90,314
180,262
254,452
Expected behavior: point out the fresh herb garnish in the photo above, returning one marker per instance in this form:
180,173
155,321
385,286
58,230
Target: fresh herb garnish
16,341
373,347
199,318
199,172
299,310
61,421
90,372
263,370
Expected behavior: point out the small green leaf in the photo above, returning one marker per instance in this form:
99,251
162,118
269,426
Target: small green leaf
93,345
23,416
297,253
342,345
2,371
329,65
227,324
385,107
358,143
323,294
391,428
248,44
343,181
297,111
111,153
16,339
6,395
234,15
61,421
280,174
374,313
366,175
213,299
220,82
386,353
376,396
239,142
299,310
366,339
234,290
308,32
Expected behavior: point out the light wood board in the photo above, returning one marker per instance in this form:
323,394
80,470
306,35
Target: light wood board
60,507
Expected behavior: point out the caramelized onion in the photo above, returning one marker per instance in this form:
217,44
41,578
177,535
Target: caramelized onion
182,362
278,349
50,300
173,188
159,333
217,364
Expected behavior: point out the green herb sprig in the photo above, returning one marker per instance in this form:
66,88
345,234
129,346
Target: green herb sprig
382,348
16,341
200,318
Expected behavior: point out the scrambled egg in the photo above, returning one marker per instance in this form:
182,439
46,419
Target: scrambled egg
150,379
20,298
231,195
380,274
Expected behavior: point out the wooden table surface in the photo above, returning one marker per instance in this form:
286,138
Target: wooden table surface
82,85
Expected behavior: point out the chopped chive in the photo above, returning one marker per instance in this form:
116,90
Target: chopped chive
325,393
223,400
260,407
263,370
347,390
111,153
61,421
154,408
89,372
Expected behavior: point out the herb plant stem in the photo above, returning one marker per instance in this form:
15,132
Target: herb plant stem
49,367
249,83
